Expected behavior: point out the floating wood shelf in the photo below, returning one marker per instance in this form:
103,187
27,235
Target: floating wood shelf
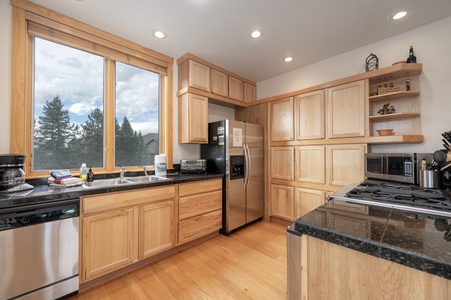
391,96
394,116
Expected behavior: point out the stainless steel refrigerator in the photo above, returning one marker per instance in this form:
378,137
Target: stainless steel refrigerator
235,149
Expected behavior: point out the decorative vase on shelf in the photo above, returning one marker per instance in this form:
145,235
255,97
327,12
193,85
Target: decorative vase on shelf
412,59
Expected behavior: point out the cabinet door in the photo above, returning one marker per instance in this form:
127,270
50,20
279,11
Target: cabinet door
346,164
235,89
156,228
219,83
311,164
307,200
282,163
193,119
347,110
282,127
107,242
310,116
249,93
196,227
282,202
199,76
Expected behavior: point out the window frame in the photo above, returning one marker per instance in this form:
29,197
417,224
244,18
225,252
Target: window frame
31,20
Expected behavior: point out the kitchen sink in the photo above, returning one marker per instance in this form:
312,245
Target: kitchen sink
108,182
145,178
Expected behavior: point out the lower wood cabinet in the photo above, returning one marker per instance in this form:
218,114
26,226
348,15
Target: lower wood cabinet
200,209
108,242
121,228
306,200
282,202
156,228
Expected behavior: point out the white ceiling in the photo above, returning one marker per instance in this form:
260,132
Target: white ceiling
219,30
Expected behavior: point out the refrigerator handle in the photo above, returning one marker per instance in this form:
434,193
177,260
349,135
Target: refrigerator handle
248,164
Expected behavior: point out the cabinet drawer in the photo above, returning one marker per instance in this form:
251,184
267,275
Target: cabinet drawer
199,226
199,187
110,201
199,204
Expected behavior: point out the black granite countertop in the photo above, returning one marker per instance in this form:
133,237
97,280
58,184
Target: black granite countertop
419,241
44,193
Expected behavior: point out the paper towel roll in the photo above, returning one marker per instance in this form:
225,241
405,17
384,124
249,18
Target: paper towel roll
160,164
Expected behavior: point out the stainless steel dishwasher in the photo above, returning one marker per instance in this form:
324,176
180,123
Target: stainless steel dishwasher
39,250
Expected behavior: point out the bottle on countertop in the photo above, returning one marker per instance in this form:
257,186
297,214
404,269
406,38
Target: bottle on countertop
83,172
90,175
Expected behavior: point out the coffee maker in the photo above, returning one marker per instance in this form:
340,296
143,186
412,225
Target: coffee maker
11,173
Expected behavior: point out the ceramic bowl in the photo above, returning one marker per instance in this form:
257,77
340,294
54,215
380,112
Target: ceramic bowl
383,132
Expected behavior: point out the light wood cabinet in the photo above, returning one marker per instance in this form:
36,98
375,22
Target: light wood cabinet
347,112
282,163
362,276
219,83
311,164
199,76
310,116
118,226
156,228
346,164
282,202
250,93
200,209
236,89
107,242
282,126
307,200
193,119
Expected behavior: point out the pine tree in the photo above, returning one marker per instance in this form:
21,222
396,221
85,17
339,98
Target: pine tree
92,138
52,133
129,145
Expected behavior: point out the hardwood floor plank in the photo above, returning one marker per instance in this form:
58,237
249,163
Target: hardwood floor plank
249,264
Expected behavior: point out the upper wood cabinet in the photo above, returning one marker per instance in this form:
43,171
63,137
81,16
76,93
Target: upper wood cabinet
347,112
309,115
199,76
250,93
282,127
219,83
236,89
193,119
306,200
223,87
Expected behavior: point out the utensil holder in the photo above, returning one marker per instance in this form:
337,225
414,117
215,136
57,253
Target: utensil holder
430,179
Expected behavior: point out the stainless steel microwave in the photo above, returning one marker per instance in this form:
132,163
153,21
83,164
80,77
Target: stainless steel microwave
399,167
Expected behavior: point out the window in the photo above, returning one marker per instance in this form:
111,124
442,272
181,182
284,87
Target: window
79,94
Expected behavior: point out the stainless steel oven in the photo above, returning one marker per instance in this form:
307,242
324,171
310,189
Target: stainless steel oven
39,250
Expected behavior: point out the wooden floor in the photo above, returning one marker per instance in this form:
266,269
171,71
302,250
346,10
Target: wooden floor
249,264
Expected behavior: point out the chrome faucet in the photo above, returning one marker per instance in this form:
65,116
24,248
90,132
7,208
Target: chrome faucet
145,171
121,174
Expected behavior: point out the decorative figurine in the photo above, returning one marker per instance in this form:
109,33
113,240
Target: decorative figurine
412,59
372,63
386,109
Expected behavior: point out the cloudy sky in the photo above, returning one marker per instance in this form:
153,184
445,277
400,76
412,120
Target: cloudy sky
77,78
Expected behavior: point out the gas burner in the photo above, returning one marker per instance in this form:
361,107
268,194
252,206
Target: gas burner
397,195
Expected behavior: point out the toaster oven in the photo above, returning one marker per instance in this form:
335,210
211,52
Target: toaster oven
193,166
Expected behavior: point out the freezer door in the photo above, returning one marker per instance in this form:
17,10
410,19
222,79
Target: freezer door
255,185
235,211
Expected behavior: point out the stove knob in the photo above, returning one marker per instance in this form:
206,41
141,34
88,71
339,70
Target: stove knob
2,221
13,220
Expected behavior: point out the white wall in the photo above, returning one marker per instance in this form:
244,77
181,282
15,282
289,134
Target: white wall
432,45
5,74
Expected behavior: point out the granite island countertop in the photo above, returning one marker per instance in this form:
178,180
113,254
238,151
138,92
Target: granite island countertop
43,193
419,241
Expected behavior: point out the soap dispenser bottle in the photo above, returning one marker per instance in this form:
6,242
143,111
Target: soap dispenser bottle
83,172
90,175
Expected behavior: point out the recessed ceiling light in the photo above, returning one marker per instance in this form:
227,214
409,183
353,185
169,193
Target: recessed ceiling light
398,15
159,34
256,34
288,59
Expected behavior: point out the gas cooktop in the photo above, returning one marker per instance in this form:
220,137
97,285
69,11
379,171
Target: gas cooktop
397,196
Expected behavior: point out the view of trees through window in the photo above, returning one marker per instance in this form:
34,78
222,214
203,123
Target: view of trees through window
69,125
